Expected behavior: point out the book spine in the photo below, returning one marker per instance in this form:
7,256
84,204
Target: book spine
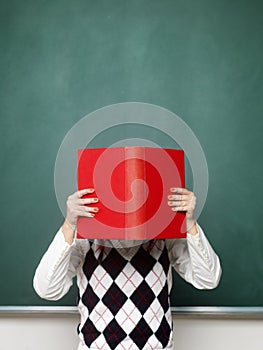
135,193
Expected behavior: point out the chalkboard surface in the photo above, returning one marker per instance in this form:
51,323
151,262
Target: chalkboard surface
61,60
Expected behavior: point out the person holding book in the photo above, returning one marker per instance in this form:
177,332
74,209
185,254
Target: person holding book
124,291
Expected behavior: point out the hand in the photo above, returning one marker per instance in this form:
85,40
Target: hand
182,199
75,208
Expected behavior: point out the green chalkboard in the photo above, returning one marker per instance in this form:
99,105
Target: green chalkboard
61,60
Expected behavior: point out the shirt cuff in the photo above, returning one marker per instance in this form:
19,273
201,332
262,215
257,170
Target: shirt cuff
61,239
200,243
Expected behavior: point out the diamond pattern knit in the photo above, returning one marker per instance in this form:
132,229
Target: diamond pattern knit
124,299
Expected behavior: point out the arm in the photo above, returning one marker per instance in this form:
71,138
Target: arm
54,275
58,266
194,260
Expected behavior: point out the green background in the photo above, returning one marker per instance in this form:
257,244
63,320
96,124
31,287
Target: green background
61,60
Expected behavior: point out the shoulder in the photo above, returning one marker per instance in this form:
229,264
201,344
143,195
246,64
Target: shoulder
81,247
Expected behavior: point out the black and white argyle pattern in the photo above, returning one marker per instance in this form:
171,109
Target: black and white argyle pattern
124,299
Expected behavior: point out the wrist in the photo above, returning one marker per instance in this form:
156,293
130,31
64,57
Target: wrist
191,227
68,231
69,224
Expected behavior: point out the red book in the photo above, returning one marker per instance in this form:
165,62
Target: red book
132,184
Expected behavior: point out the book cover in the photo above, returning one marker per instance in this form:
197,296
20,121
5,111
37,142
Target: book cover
132,184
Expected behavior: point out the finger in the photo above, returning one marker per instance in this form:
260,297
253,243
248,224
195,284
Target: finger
88,200
186,208
180,190
85,209
81,193
83,201
178,197
89,215
177,204
84,213
92,209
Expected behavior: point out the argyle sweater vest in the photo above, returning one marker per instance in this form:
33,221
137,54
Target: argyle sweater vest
125,298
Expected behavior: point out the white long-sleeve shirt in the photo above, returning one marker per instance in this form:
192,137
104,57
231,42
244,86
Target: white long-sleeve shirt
100,290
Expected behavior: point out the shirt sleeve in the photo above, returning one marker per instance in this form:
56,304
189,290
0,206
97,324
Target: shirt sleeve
54,274
194,259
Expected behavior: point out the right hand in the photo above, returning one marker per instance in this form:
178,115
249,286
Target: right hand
76,206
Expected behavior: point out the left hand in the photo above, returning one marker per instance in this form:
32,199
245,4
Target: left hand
182,199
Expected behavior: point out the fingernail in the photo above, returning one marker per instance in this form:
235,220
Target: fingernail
170,203
170,197
95,200
173,189
90,190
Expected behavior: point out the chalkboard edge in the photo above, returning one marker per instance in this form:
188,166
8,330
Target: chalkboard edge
193,311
